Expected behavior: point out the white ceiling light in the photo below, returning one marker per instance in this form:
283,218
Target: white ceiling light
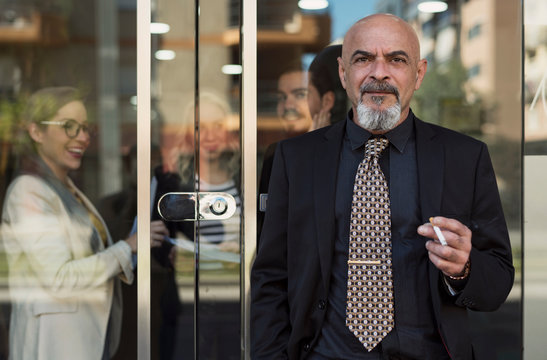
432,6
165,55
231,69
313,4
159,28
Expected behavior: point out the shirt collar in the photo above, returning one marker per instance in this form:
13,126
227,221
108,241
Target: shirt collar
398,136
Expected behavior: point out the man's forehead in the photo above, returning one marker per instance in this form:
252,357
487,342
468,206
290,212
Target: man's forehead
381,35
293,91
293,80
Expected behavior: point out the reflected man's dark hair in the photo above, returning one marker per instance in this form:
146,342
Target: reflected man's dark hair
324,76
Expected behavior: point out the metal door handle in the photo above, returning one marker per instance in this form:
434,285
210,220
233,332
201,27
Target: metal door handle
191,206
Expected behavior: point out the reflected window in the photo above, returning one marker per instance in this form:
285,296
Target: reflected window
473,71
474,31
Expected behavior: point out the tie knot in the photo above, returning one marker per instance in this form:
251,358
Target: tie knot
375,146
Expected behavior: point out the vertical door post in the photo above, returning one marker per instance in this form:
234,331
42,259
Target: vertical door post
249,158
143,176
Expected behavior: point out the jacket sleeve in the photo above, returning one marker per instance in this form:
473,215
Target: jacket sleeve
38,233
270,317
492,272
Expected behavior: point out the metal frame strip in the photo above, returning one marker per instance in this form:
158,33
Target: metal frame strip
249,158
143,177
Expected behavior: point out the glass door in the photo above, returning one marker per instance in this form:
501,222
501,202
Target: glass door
68,70
160,82
195,132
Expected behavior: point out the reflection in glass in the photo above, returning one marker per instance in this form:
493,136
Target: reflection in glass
64,268
292,104
196,99
58,42
471,38
535,165
472,86
327,99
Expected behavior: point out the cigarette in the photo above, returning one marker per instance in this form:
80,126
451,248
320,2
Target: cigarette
438,232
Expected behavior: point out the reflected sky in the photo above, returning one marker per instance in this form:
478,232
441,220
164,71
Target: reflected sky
345,12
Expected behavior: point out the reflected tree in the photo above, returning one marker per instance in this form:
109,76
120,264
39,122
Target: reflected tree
444,100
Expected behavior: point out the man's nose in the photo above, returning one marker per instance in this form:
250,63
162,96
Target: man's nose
379,70
290,102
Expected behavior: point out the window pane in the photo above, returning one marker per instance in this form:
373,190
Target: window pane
64,268
535,160
472,84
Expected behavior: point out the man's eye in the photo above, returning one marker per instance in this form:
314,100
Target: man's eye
399,60
301,94
280,97
367,56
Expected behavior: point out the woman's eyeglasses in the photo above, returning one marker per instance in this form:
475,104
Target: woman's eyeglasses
72,127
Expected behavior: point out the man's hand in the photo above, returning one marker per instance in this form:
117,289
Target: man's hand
450,259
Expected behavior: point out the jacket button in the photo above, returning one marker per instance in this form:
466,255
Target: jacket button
322,304
307,347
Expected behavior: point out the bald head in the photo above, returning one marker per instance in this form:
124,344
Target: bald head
382,24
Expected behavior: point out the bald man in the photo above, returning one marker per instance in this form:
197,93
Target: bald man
409,285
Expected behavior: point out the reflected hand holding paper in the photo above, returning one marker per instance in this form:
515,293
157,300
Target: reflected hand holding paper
208,251
158,231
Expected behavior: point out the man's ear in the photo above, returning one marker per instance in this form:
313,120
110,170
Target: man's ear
420,73
35,132
341,72
327,101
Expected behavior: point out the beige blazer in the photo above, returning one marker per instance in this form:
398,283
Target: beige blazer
63,281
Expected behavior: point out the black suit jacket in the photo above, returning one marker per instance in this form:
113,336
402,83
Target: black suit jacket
291,274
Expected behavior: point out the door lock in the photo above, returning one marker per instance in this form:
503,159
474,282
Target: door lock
218,206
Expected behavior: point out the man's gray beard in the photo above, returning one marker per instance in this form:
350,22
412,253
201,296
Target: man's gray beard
378,120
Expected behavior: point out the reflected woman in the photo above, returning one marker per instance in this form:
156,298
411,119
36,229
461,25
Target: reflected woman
218,164
219,167
64,268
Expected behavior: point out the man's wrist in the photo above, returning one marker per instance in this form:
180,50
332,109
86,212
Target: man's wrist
455,284
464,274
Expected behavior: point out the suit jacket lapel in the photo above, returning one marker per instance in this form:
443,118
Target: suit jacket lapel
430,158
325,171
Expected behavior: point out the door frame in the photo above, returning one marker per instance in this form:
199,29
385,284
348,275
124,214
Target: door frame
249,158
144,74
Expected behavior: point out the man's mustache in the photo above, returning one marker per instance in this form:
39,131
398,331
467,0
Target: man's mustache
291,113
379,86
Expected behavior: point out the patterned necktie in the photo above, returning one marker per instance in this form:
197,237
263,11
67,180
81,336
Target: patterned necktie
369,308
